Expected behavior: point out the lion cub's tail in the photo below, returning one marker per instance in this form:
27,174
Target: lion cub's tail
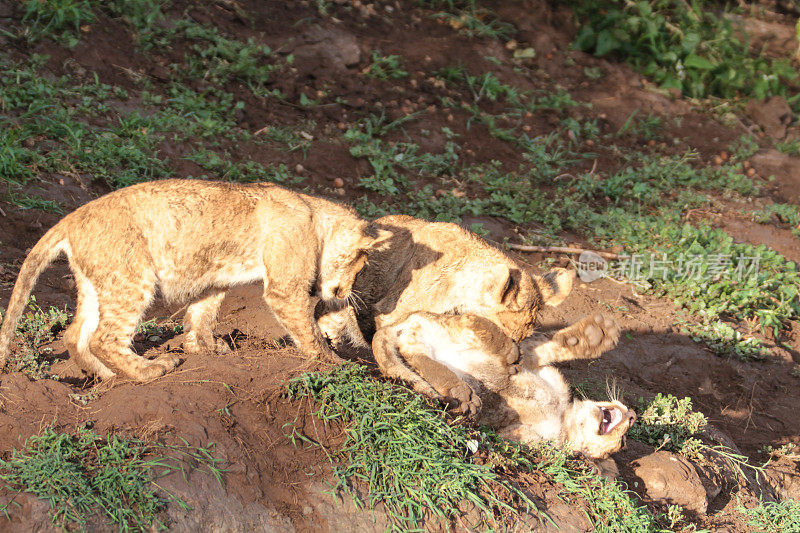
41,255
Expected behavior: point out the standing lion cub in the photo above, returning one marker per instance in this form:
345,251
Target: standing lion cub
192,240
469,361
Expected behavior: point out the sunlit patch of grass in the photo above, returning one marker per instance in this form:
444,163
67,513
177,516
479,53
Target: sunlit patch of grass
85,477
417,464
774,517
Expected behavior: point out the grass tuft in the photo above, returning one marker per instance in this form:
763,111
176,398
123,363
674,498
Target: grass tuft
85,477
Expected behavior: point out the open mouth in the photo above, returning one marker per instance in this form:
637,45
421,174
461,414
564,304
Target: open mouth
611,419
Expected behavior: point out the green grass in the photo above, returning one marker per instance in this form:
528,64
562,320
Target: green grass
86,478
391,161
725,340
774,517
707,272
223,167
680,45
410,459
470,19
55,18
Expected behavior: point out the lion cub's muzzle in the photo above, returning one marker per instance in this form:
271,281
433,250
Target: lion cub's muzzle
614,417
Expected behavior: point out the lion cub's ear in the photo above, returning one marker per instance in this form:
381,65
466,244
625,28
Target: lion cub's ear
376,239
502,281
556,285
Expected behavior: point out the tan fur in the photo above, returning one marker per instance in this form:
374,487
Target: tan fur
192,240
468,361
441,268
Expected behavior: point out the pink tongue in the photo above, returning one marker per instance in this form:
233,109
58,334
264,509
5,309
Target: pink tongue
607,418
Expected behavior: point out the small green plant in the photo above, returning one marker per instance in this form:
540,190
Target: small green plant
159,328
667,422
84,475
774,517
386,67
36,328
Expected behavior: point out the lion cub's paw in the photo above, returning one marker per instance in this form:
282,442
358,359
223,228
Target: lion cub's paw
590,337
159,366
465,400
194,344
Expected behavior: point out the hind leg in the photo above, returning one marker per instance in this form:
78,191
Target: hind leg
120,311
198,324
77,336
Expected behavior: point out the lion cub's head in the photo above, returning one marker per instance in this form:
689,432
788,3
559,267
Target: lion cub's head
597,429
344,253
513,296
541,408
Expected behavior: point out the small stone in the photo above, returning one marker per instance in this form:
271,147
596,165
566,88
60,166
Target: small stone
342,126
340,191
338,183
751,172
512,45
450,118
299,168
526,128
154,338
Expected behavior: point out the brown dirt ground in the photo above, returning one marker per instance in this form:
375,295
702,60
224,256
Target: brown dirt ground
234,400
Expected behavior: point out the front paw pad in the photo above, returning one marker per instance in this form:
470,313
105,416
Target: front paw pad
590,337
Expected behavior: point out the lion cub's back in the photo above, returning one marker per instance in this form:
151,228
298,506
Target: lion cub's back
182,229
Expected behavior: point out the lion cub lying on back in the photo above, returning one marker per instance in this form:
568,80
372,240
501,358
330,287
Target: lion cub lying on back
469,360
192,240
